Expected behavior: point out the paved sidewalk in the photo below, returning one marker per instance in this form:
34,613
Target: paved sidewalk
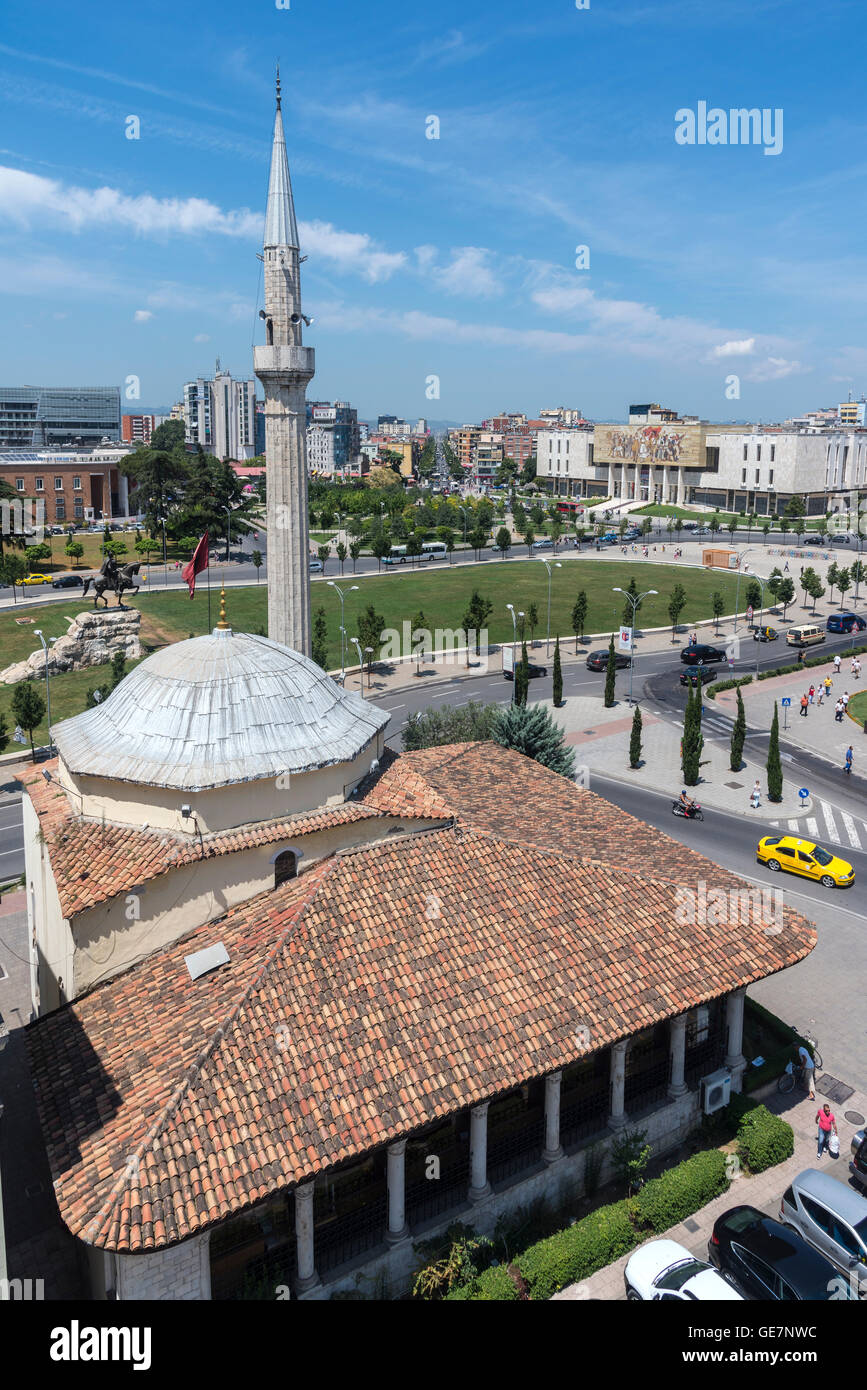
601,740
763,1190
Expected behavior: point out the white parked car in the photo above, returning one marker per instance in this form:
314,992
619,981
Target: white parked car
316,566
664,1270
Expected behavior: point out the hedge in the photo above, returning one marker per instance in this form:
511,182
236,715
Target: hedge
764,1139
712,690
668,1200
579,1250
492,1285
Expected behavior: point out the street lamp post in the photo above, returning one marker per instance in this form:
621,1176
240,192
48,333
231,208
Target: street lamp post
228,511
37,633
367,651
741,558
761,583
634,599
557,565
165,554
511,609
341,594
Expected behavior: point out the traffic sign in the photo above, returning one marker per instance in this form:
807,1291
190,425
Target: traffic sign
749,613
804,793
786,701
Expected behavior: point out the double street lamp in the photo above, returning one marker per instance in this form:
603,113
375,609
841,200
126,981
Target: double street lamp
741,558
368,651
557,565
38,633
511,609
341,594
635,600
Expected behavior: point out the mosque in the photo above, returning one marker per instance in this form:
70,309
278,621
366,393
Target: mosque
297,1000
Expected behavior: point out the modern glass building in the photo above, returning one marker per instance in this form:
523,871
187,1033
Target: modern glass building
32,417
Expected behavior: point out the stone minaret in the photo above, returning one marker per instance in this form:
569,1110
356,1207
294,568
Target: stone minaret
284,368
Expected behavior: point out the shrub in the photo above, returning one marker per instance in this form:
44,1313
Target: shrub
764,1139
493,1285
578,1251
669,1199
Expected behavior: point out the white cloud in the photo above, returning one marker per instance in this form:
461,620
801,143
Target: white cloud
735,348
775,369
202,338
142,315
468,273
354,251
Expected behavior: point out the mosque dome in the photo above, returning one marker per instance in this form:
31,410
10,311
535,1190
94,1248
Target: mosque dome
218,710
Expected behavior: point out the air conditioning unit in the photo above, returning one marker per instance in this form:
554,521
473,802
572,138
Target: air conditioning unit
716,1091
89,513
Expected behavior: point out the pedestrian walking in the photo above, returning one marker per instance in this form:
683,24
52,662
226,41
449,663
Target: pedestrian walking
756,795
838,712
801,656
852,667
845,698
827,1123
801,575
827,682
812,694
847,766
821,696
804,703
806,1061
786,568
837,664
857,665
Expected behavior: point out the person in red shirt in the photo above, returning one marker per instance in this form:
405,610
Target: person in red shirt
827,1123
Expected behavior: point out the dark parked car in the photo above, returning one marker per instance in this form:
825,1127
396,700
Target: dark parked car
598,661
533,670
770,1261
67,581
698,675
845,622
701,654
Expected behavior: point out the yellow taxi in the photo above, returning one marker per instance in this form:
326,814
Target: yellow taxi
805,858
36,579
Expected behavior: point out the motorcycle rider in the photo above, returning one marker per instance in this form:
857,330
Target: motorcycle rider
686,802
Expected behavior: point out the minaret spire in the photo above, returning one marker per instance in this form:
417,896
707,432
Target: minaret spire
285,367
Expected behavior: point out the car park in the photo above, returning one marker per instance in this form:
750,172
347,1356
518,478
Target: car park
699,654
805,858
770,1261
832,1218
698,675
533,670
67,581
598,661
845,622
663,1271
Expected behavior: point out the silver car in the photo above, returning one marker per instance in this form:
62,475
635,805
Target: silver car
832,1218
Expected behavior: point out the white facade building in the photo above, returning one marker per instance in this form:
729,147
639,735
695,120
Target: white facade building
220,414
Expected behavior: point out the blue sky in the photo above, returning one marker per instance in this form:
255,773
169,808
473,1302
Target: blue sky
454,257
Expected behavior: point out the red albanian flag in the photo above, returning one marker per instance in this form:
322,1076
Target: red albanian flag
195,566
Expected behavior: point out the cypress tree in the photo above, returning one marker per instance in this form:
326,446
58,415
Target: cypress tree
610,675
558,676
774,765
692,738
635,739
739,733
522,677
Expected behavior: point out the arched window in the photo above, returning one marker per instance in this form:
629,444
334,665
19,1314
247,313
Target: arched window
285,867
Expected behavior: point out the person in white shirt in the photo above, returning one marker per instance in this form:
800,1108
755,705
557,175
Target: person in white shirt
806,1062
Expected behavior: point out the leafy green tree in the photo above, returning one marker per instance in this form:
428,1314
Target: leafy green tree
13,570
529,538
775,579
324,553
432,728
75,550
532,619
504,540
717,607
844,583
774,765
859,574
354,552
381,547
418,624
766,526
320,639
785,593
557,682
635,739
739,733
477,612
676,605
817,589
630,1154
579,617
831,576
35,554
256,559
807,578
28,709
371,626
522,677
610,675
477,538
4,734
754,594
714,523
532,731
341,553
627,618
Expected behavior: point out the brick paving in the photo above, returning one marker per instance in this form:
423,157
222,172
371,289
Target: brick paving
762,1190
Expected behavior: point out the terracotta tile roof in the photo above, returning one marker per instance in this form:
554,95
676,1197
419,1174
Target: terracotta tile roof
92,862
390,985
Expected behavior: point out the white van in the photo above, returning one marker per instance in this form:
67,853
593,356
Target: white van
807,635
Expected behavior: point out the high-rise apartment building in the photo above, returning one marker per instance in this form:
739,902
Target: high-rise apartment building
137,429
32,417
220,414
333,437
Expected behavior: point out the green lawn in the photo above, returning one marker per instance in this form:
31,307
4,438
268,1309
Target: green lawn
858,708
440,592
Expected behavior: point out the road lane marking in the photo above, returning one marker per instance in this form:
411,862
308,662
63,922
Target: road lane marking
828,813
851,830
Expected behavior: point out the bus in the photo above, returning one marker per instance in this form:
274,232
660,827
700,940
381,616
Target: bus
396,556
434,550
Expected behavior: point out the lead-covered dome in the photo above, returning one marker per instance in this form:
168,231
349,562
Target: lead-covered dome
216,710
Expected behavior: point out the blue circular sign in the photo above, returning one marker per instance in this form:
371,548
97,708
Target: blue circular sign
804,793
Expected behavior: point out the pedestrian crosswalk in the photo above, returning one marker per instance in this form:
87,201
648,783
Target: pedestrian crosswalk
828,823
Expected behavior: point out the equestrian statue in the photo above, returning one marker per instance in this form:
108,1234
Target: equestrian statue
111,579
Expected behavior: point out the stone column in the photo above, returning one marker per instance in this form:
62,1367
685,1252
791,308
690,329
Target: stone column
305,1255
681,490
480,1188
617,1116
397,1227
611,483
664,497
677,1046
734,1058
623,471
552,1150
650,496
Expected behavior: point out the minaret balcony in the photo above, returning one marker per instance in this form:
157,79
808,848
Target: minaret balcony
282,360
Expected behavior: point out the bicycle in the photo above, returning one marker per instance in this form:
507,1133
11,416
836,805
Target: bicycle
787,1081
813,1044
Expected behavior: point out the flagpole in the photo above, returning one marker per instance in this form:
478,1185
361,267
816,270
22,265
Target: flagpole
208,568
